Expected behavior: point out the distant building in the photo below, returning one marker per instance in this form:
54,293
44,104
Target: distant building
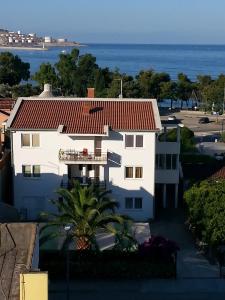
47,39
61,40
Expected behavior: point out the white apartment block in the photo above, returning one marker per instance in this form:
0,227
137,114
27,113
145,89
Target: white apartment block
112,142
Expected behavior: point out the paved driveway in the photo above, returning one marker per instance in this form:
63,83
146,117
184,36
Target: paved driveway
190,262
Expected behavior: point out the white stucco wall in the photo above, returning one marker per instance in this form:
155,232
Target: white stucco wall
34,193
119,158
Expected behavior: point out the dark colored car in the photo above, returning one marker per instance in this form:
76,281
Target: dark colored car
203,120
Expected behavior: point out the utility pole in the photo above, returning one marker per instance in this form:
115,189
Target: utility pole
223,100
121,87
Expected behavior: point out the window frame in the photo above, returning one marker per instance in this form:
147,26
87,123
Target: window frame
125,169
129,135
36,175
133,173
134,141
22,135
31,144
133,203
135,170
26,175
32,140
139,135
32,174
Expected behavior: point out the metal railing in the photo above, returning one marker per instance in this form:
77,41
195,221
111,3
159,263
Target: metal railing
83,156
88,181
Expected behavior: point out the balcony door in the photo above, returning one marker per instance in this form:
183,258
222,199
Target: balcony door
98,146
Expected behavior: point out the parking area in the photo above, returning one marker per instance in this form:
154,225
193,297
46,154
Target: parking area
191,120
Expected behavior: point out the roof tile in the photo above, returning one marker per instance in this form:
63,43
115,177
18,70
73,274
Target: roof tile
119,115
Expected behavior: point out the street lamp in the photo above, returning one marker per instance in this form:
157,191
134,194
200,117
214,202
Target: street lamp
67,228
121,87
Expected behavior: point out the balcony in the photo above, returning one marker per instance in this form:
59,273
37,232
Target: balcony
81,157
84,181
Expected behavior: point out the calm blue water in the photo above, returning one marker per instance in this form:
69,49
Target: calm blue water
190,59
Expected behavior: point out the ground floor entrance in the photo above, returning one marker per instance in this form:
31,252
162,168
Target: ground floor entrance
166,196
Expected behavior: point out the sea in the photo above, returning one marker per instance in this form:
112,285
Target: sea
192,60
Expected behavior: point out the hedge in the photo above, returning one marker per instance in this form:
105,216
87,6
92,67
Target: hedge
106,264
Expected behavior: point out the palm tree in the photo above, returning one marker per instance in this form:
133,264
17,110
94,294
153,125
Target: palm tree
86,210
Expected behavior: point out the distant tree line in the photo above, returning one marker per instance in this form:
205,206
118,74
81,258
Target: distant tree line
74,73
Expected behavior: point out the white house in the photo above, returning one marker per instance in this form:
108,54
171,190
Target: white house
108,141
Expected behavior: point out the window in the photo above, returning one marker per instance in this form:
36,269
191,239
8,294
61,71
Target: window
133,172
35,140
31,171
129,172
138,172
26,171
129,140
174,161
139,141
36,171
128,203
25,140
30,140
161,161
166,161
138,203
132,141
133,203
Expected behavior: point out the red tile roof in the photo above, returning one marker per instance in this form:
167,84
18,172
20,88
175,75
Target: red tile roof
7,103
76,118
220,174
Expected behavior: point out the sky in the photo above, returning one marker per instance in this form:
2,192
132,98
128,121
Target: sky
119,21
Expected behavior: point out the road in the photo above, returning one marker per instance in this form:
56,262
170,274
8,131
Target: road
190,119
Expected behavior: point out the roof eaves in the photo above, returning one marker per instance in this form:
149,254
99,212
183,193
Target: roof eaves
14,112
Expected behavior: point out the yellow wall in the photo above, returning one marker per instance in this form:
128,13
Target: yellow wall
34,286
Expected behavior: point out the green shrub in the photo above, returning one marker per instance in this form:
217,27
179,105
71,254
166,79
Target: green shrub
105,264
186,138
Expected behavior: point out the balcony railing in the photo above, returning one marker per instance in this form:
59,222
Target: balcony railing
82,156
88,181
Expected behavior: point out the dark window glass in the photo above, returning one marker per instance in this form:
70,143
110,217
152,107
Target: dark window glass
129,140
138,203
161,161
174,161
139,141
26,170
25,140
168,161
35,140
129,172
36,171
157,161
128,203
138,172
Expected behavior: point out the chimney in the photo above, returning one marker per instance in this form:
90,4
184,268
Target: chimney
47,93
91,92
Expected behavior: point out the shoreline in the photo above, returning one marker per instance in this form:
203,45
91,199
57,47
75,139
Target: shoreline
24,48
38,48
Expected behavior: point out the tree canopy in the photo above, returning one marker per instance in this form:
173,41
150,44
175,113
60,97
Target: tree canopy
206,209
12,69
87,210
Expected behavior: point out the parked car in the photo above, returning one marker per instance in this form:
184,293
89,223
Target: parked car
203,120
172,118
